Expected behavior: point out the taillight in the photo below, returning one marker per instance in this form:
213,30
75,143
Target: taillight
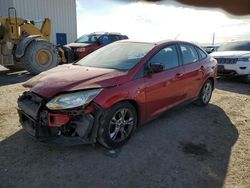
80,50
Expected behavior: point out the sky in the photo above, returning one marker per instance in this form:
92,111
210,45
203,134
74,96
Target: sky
160,21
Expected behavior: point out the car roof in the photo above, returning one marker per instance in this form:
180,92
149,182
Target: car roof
105,33
176,41
155,43
134,41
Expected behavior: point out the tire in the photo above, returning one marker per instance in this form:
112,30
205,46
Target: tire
69,54
2,32
114,132
18,66
205,94
40,56
245,79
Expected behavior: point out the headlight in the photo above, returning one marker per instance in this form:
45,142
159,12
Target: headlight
244,59
73,100
80,50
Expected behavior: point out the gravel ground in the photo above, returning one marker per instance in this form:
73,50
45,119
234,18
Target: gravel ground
188,146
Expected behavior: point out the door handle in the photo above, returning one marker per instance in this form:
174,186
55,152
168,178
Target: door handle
201,69
178,75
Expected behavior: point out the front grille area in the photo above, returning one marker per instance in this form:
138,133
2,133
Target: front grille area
227,60
32,116
30,103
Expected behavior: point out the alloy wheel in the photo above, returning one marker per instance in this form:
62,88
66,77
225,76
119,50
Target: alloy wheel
121,125
207,92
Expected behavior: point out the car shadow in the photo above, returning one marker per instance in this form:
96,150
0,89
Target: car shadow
185,147
233,85
8,77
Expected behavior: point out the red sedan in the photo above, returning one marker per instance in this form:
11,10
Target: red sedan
107,94
86,44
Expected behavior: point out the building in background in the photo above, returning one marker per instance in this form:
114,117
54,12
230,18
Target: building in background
61,12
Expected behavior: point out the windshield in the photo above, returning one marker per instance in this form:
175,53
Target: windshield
88,38
120,56
235,46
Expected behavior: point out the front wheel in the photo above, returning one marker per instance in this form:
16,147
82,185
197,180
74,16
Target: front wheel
118,126
205,93
245,79
40,56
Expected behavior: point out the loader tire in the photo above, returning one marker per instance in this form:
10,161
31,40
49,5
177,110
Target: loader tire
2,31
40,56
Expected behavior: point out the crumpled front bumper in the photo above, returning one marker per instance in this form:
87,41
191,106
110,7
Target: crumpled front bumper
34,117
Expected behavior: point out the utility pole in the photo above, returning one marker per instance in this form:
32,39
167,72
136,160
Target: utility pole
213,38
177,36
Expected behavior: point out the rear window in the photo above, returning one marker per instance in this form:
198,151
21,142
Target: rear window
114,38
124,37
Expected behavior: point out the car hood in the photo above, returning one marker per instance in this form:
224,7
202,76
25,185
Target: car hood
66,78
230,54
76,45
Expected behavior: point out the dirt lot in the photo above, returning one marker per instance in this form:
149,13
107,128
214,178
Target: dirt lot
186,147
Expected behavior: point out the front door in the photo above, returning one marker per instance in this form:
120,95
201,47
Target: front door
164,89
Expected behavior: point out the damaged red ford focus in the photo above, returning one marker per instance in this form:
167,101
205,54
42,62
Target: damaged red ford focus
106,95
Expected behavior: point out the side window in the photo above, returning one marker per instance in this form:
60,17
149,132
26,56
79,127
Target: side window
124,37
113,38
189,54
118,37
203,55
167,56
104,39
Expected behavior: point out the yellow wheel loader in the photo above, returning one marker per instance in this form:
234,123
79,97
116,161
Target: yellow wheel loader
24,46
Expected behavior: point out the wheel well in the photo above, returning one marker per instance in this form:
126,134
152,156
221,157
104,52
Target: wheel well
134,103
23,44
212,80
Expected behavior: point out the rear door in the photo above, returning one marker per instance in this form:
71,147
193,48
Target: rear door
193,69
164,89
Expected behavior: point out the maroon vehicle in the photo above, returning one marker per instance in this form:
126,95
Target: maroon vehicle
107,94
86,44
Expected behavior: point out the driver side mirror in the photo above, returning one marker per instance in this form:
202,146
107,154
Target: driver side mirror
155,68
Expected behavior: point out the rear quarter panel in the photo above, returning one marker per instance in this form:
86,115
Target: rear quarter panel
210,71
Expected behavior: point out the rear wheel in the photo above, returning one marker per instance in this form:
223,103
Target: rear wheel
205,93
118,126
40,56
245,79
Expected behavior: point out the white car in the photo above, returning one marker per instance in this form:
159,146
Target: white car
233,59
